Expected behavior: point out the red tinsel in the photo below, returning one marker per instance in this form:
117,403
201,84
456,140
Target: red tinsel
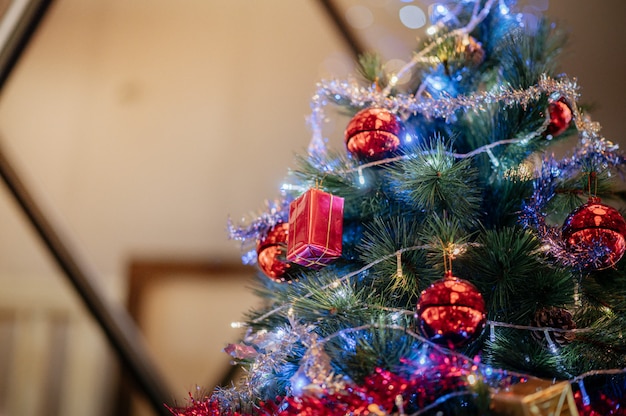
204,407
210,406
381,392
603,406
376,396
421,384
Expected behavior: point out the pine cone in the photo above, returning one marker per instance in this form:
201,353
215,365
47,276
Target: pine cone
471,50
554,317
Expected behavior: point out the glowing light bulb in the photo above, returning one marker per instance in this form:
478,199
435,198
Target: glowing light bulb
431,30
504,9
551,345
583,392
493,158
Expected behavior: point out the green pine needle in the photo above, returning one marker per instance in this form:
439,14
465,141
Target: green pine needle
516,350
525,58
358,354
434,181
507,267
381,239
371,68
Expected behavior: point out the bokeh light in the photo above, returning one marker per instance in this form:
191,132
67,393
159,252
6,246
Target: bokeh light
393,66
412,17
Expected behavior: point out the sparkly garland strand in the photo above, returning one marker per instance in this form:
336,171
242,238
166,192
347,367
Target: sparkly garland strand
276,212
452,373
358,96
592,142
599,154
372,96
594,147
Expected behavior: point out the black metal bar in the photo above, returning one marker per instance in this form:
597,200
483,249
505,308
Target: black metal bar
354,43
115,321
22,30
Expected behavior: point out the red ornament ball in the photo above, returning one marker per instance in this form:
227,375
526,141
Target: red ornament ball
373,134
271,252
560,118
451,312
596,233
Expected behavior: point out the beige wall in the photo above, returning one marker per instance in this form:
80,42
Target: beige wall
143,124
146,123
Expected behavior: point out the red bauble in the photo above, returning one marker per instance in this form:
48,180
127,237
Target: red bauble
597,233
451,312
373,133
560,117
271,252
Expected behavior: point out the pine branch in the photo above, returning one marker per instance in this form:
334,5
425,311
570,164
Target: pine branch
524,58
432,181
398,286
517,351
507,267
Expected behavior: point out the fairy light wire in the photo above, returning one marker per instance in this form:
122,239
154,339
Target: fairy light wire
445,107
578,379
340,280
477,17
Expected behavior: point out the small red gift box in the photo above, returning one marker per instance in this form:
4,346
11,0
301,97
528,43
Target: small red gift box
315,229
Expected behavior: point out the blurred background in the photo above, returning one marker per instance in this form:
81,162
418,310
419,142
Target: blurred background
140,126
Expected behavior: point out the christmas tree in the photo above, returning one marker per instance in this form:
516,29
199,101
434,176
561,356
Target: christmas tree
443,261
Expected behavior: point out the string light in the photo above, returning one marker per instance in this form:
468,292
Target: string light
583,392
400,405
494,160
361,177
504,9
551,345
443,107
477,17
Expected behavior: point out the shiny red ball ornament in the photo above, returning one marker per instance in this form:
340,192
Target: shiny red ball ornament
560,118
451,312
373,134
271,253
596,232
